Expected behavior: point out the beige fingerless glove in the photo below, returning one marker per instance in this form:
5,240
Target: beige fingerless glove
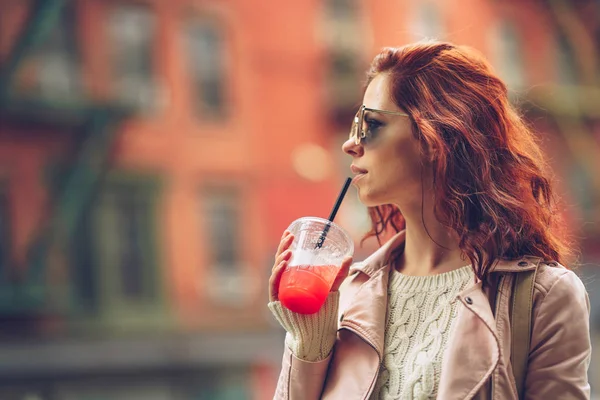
310,337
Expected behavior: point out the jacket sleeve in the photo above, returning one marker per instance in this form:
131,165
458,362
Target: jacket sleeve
299,379
561,347
309,343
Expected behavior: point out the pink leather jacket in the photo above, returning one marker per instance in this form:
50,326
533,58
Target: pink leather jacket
479,346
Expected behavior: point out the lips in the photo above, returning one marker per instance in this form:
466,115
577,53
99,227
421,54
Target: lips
356,170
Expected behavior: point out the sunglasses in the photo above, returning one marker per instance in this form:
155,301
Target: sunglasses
360,130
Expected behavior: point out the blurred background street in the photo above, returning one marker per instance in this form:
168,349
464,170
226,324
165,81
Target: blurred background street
153,151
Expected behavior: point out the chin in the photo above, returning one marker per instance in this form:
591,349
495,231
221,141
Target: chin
369,199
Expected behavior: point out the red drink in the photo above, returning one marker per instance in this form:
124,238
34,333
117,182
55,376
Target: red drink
304,288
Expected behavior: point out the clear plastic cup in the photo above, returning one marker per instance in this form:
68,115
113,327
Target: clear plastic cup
308,278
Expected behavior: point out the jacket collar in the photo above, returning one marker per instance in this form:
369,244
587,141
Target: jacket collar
525,263
379,259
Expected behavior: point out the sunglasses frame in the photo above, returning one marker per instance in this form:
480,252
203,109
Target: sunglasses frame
358,121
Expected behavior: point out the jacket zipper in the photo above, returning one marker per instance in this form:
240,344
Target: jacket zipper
370,343
496,309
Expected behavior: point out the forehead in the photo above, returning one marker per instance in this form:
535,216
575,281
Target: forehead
378,95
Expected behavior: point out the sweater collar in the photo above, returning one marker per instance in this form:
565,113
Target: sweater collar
379,259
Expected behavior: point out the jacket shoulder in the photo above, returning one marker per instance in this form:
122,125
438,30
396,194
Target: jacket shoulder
558,288
560,345
551,273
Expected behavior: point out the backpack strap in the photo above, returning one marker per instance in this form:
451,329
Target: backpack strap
521,317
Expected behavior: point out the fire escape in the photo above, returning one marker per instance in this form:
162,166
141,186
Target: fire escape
24,289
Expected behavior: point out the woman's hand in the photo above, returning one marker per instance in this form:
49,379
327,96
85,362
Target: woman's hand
282,257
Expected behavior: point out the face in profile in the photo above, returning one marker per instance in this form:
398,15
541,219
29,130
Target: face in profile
387,161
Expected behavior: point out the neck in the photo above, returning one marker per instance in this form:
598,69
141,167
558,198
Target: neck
430,247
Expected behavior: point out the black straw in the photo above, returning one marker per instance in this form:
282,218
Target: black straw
333,212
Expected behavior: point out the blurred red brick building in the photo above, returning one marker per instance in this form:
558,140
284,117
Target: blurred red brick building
152,152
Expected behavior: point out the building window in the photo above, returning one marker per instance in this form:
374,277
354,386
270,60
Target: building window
340,29
221,215
205,41
132,34
507,54
343,9
428,23
56,61
114,251
127,214
566,69
342,34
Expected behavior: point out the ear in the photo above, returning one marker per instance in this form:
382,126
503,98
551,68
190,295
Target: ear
426,135
430,152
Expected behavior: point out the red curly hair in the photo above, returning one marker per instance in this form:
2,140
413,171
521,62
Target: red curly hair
491,183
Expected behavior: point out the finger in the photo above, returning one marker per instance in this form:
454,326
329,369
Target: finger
342,274
285,256
347,262
284,244
275,280
288,242
281,244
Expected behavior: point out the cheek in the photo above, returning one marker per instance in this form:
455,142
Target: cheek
408,158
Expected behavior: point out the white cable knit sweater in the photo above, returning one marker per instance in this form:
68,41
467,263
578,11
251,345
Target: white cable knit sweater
419,317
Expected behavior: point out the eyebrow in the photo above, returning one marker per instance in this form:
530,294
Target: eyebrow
373,114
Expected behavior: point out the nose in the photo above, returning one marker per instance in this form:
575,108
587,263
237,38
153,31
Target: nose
352,149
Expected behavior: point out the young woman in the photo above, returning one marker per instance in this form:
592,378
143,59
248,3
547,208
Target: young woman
455,181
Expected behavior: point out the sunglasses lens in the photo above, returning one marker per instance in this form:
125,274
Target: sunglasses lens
360,129
354,131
